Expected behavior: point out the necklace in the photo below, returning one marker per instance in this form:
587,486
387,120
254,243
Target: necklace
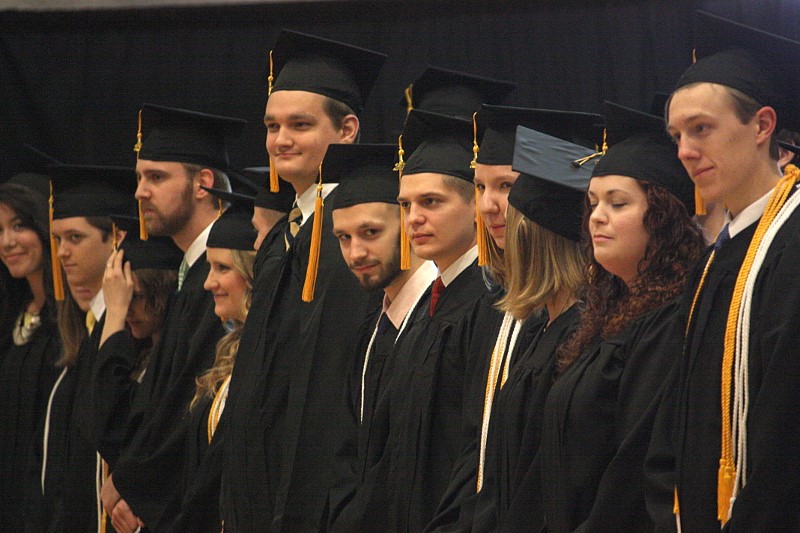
26,325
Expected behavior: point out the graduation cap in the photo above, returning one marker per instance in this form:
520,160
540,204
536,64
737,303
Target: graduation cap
185,136
244,202
453,93
158,253
365,173
233,229
437,143
759,64
550,190
640,148
87,191
33,166
280,201
346,73
497,128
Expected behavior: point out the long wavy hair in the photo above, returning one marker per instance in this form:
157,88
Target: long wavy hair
673,247
157,286
31,208
227,347
539,264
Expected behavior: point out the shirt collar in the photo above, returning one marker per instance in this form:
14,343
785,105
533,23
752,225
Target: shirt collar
459,265
306,200
408,295
98,305
749,214
197,247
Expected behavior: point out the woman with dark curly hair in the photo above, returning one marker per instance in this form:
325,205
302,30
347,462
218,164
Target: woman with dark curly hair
588,473
28,357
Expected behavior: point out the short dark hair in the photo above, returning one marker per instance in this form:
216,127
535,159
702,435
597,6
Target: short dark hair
464,188
337,111
221,180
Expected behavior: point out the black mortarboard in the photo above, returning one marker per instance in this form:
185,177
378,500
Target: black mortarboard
184,136
89,191
437,143
242,201
452,93
302,62
497,127
280,201
159,253
33,169
760,64
233,230
550,189
365,173
640,148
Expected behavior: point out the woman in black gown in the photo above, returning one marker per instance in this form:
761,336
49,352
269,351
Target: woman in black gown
27,359
587,475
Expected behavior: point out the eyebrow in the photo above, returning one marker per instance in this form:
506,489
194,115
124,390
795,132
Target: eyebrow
691,118
293,116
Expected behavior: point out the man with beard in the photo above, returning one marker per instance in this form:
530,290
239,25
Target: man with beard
366,221
182,152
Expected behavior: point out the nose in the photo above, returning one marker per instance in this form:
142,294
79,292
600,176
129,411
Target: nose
686,150
7,240
357,249
488,203
280,138
415,216
141,190
598,216
63,249
211,282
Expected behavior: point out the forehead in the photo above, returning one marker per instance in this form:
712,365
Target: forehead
7,211
697,100
494,172
145,166
366,213
601,185
282,104
73,224
412,185
219,255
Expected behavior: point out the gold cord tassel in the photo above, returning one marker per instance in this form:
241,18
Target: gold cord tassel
475,148
480,227
270,78
114,232
578,163
138,146
274,184
143,234
699,203
55,263
316,241
409,99
726,476
405,242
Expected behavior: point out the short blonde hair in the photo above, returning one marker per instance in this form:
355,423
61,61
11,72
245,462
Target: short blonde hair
538,264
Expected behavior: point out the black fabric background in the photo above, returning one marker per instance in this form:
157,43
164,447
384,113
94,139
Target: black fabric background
72,83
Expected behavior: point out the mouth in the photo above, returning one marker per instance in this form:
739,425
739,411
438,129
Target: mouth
420,238
600,238
12,257
699,173
363,268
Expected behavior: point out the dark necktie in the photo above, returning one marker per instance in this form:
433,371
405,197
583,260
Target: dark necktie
436,292
723,237
295,217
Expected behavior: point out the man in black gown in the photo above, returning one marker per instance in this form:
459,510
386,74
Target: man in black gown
181,151
284,417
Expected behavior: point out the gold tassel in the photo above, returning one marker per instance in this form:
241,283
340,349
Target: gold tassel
316,241
114,232
676,506
726,476
270,78
55,262
274,184
699,203
405,242
583,160
475,148
138,146
480,227
694,56
143,234
409,99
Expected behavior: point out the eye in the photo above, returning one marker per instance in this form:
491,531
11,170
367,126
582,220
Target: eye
431,202
156,177
506,185
371,232
480,187
701,128
405,205
592,206
75,238
618,205
344,237
18,227
272,127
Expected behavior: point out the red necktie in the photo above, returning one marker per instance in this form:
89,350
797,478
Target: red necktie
436,292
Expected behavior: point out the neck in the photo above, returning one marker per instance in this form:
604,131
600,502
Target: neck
763,181
301,185
394,288
560,302
189,232
443,263
36,283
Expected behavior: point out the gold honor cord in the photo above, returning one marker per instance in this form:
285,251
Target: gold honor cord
216,408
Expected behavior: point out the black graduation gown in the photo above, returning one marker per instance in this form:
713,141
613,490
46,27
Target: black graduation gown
69,500
199,505
27,374
590,475
285,417
770,501
426,408
515,427
148,473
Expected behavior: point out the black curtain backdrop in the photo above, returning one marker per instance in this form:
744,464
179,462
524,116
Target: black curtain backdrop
72,83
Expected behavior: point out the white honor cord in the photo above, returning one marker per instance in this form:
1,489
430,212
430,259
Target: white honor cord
503,349
47,424
98,483
366,362
741,378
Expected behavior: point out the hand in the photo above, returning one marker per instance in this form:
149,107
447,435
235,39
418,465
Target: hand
118,283
123,519
109,495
